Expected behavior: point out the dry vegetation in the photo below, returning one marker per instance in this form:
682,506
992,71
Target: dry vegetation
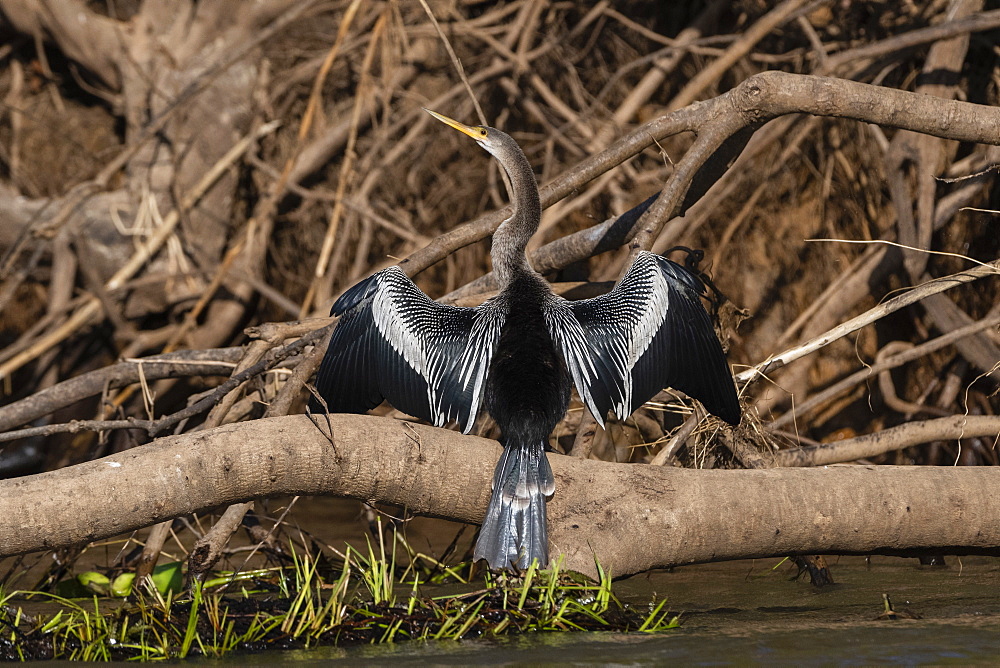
183,184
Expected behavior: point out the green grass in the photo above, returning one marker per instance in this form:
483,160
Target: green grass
368,598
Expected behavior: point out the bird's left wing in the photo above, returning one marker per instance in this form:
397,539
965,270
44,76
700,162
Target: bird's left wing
651,331
393,342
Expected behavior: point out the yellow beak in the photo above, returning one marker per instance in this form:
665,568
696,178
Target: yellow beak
476,133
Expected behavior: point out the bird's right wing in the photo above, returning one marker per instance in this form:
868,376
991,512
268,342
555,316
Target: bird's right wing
649,332
393,342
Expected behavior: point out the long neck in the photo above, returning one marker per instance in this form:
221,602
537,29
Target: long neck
511,238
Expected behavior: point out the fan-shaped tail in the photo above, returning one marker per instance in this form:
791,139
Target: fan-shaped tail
514,531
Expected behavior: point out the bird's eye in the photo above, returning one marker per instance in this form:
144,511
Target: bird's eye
482,132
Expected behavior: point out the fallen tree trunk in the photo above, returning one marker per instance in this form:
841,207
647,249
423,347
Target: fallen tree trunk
631,517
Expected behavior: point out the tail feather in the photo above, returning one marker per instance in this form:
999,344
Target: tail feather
514,531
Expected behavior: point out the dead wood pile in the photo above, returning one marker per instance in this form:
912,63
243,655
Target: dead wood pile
194,182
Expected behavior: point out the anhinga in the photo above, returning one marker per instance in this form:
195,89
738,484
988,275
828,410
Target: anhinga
516,354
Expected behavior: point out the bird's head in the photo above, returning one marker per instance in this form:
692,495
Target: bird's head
491,139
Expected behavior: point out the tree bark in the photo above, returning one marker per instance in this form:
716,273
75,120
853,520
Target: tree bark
630,517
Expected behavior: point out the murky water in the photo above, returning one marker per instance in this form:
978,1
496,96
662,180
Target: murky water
751,613
894,646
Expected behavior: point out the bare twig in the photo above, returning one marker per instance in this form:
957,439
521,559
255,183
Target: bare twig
868,317
456,61
217,362
153,427
740,48
896,438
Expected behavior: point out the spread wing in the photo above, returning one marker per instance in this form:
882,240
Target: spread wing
393,342
651,331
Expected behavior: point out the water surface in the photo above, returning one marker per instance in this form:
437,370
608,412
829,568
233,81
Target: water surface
751,613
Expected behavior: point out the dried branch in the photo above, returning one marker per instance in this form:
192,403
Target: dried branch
184,363
881,365
895,438
868,317
597,511
154,427
708,76
838,63
92,306
82,35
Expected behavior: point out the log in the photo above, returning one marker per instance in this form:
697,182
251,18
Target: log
631,517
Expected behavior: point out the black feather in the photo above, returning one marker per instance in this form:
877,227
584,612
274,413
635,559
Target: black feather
682,353
362,366
527,393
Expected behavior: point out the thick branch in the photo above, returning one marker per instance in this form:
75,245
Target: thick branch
760,98
94,41
682,515
772,94
768,95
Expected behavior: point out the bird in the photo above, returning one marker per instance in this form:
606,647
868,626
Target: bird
517,355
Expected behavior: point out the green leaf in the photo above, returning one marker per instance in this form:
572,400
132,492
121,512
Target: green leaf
94,582
168,577
121,586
